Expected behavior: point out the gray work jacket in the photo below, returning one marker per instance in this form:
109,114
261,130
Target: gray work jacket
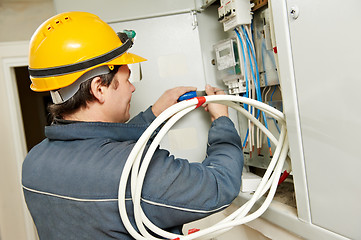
70,180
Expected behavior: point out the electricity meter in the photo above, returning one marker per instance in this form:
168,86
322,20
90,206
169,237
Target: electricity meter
228,65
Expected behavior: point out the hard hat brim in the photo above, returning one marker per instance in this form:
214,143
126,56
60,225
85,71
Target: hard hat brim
48,83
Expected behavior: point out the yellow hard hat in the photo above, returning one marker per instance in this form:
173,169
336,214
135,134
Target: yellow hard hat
70,44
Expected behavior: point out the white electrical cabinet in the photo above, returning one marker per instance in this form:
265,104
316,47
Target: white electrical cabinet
318,47
318,58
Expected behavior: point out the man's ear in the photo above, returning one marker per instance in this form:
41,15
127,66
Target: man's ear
97,89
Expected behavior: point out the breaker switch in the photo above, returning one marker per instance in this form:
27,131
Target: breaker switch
221,14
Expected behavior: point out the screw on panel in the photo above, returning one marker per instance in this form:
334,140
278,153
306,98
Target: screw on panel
295,12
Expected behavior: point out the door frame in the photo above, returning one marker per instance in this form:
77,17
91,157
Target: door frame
15,54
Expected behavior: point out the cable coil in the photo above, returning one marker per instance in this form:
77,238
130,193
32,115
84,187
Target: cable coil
171,116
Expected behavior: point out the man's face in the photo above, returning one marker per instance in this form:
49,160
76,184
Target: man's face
119,95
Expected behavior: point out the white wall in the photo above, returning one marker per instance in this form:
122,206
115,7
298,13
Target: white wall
18,21
20,18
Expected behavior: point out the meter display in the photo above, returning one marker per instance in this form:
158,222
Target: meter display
225,54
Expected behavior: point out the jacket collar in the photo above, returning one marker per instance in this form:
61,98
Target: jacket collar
67,131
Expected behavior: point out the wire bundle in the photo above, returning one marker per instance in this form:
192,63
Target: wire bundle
171,116
253,86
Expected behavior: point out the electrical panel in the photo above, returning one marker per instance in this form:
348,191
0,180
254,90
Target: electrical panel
247,64
266,48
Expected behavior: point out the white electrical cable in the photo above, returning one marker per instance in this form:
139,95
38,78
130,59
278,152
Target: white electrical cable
254,94
262,188
273,182
137,151
265,100
138,213
250,87
173,114
147,159
259,133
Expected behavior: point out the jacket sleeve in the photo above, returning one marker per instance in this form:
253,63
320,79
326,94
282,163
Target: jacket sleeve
176,191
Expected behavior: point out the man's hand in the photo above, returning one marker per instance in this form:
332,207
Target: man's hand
169,98
215,110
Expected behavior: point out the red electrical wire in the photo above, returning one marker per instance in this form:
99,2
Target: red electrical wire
283,177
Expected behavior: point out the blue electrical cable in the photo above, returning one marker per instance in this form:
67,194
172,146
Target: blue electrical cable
258,91
278,128
246,78
250,49
274,90
245,65
245,139
274,120
252,29
257,82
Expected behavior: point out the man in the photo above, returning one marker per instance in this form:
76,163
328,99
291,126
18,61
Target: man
70,180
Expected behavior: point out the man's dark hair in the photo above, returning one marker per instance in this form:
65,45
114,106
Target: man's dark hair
80,98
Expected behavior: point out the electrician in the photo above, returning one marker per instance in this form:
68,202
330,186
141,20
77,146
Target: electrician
70,180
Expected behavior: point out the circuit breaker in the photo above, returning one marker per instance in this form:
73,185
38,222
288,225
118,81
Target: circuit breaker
265,48
233,13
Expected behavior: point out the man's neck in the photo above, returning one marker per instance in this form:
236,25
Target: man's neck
91,113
